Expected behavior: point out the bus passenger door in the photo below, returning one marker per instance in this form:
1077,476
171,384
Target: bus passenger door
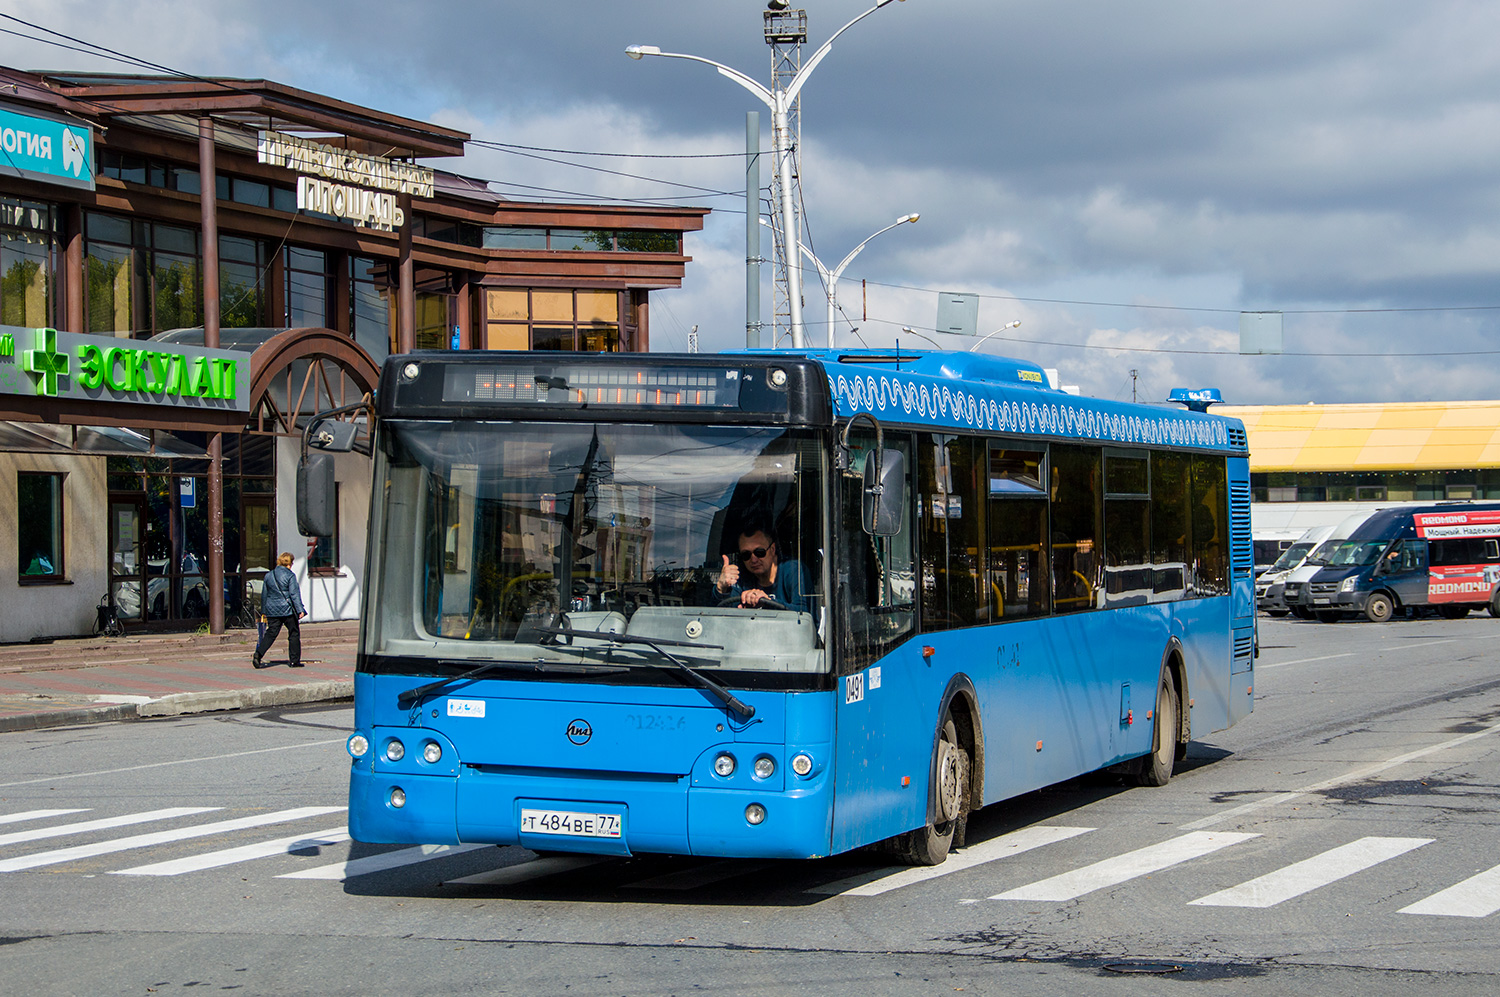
1406,572
875,702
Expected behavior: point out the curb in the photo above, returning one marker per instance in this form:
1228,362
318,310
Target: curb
180,703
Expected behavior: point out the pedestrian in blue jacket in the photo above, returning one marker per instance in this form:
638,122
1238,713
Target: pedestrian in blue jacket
281,606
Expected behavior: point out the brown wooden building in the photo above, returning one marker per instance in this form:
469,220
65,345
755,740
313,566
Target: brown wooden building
330,245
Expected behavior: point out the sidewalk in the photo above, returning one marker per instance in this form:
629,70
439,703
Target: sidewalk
93,679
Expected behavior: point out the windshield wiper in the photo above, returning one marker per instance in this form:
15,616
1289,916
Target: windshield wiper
420,692
702,681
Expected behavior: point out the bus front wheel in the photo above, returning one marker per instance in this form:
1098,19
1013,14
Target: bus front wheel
1379,608
1156,768
950,806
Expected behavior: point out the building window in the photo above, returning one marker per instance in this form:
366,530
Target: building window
39,525
306,288
581,240
28,251
242,282
370,306
143,277
550,319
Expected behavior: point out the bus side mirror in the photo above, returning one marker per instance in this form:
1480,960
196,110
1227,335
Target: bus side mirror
315,496
885,499
333,436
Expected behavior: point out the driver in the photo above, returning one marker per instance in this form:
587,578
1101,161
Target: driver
764,576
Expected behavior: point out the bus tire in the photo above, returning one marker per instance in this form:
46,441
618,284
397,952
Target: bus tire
1495,604
1301,612
1379,608
950,803
1156,768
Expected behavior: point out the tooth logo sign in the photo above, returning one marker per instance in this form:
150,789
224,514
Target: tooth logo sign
72,151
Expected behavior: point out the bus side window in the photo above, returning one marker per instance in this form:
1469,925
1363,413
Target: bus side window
1077,527
1492,550
1171,525
876,575
1210,524
1017,520
952,522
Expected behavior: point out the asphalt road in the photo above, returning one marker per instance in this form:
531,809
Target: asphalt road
1329,844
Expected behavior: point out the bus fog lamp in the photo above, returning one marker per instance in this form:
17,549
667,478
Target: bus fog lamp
358,745
755,813
398,797
432,752
802,764
778,377
395,750
765,767
724,765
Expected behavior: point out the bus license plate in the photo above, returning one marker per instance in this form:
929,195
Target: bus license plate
570,823
1320,602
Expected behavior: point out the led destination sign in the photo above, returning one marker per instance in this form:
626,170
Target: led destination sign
45,363
622,385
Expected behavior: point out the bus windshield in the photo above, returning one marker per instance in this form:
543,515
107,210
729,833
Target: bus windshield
1291,556
1356,552
492,537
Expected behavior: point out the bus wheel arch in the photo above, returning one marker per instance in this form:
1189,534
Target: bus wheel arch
951,792
1170,722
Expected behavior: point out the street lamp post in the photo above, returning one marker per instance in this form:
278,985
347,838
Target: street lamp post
1016,324
831,277
779,101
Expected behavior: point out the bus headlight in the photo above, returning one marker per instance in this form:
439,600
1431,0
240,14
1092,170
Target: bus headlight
755,813
398,797
432,752
802,764
358,745
395,750
724,765
765,767
1347,585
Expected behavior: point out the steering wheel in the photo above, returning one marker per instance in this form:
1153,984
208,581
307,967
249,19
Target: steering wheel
763,604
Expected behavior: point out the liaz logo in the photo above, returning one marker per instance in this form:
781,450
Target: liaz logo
579,731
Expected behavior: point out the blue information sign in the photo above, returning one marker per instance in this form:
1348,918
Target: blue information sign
46,149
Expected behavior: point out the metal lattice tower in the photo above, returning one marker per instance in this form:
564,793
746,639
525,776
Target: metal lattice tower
786,30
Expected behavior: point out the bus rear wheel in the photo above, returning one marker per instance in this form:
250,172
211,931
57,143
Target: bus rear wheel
1156,768
950,804
1379,608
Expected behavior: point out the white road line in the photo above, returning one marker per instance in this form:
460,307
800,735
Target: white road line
160,837
244,853
551,865
872,884
1341,780
691,879
1123,868
102,824
381,862
1304,661
175,761
1477,896
39,814
1310,874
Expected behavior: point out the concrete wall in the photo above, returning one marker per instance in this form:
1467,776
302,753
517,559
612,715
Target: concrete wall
63,609
336,597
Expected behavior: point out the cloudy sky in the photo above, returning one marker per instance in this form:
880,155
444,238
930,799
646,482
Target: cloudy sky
1123,178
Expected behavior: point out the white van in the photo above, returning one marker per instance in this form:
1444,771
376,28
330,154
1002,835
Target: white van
1291,585
1268,585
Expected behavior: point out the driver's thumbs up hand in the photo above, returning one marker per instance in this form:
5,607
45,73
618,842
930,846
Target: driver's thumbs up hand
728,575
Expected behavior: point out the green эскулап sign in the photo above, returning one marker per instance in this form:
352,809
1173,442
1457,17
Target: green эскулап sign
45,363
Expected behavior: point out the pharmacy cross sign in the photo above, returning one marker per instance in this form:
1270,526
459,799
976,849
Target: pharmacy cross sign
45,362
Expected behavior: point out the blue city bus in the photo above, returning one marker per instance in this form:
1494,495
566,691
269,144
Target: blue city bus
986,586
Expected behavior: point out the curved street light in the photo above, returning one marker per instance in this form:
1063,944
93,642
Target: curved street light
1009,325
831,277
910,331
779,101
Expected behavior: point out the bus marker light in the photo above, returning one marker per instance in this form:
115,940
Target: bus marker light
395,750
1148,714
432,752
928,651
765,767
1130,717
905,781
755,813
724,765
358,745
398,797
1039,746
802,764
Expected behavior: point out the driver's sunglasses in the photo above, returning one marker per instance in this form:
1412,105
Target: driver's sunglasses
746,555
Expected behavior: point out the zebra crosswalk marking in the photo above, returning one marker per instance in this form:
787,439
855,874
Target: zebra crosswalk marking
522,872
38,815
1477,896
381,862
244,853
873,884
1123,868
160,837
1310,874
103,824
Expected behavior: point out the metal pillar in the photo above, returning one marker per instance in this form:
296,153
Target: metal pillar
752,229
785,31
208,187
